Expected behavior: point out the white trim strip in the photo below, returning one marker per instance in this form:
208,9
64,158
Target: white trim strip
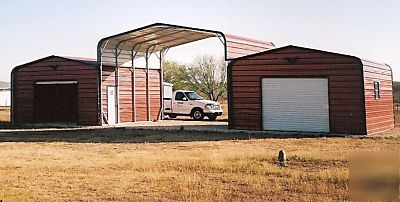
55,82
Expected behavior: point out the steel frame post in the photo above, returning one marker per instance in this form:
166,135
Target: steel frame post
117,84
161,116
147,86
147,56
100,51
163,52
133,69
133,80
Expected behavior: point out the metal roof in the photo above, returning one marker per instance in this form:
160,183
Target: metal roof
122,48
90,61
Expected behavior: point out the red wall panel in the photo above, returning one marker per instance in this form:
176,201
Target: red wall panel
133,106
379,113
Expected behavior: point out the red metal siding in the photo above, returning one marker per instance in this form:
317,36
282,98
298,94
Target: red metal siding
108,79
343,72
52,69
154,91
141,98
379,113
126,95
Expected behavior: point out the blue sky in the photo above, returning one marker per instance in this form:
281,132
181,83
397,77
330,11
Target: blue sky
34,29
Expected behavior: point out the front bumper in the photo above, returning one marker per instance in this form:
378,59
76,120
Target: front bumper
217,112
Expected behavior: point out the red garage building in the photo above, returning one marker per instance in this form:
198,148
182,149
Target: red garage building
112,89
55,89
301,89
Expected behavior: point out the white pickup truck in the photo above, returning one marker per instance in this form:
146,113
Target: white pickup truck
189,103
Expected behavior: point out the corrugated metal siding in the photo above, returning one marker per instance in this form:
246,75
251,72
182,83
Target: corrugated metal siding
379,113
154,91
26,75
345,85
126,93
295,104
108,79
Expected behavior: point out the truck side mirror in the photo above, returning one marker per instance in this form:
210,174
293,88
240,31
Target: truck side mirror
184,99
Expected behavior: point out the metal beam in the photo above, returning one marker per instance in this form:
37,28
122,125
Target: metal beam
161,58
147,86
200,36
185,42
133,80
142,35
222,40
105,45
158,37
184,37
117,86
133,55
148,80
161,113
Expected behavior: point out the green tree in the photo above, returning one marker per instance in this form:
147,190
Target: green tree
174,73
207,76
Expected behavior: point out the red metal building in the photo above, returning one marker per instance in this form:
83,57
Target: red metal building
301,89
55,89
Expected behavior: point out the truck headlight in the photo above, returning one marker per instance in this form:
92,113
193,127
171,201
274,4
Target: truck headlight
209,106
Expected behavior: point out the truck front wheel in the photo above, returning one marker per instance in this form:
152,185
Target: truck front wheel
212,117
197,114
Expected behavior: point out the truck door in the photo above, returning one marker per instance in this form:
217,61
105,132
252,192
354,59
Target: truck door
180,104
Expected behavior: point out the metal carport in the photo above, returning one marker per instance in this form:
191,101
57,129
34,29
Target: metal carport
158,38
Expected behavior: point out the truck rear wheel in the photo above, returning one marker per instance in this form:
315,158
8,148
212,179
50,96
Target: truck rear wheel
197,114
172,116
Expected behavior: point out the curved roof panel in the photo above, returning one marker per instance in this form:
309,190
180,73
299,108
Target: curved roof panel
121,48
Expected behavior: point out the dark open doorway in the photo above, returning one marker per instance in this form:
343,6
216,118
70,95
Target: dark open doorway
56,102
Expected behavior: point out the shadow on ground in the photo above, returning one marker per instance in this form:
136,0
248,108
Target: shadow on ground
136,135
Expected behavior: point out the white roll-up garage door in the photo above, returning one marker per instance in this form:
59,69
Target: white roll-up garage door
295,104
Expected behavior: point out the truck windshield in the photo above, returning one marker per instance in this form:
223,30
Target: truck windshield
193,96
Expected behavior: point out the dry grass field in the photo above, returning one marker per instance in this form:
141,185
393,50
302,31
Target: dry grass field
151,165
111,167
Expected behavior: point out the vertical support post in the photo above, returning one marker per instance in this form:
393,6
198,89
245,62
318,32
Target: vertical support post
133,87
147,86
100,92
100,51
161,117
117,84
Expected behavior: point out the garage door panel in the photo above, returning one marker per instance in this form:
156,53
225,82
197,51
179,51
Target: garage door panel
56,103
295,104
